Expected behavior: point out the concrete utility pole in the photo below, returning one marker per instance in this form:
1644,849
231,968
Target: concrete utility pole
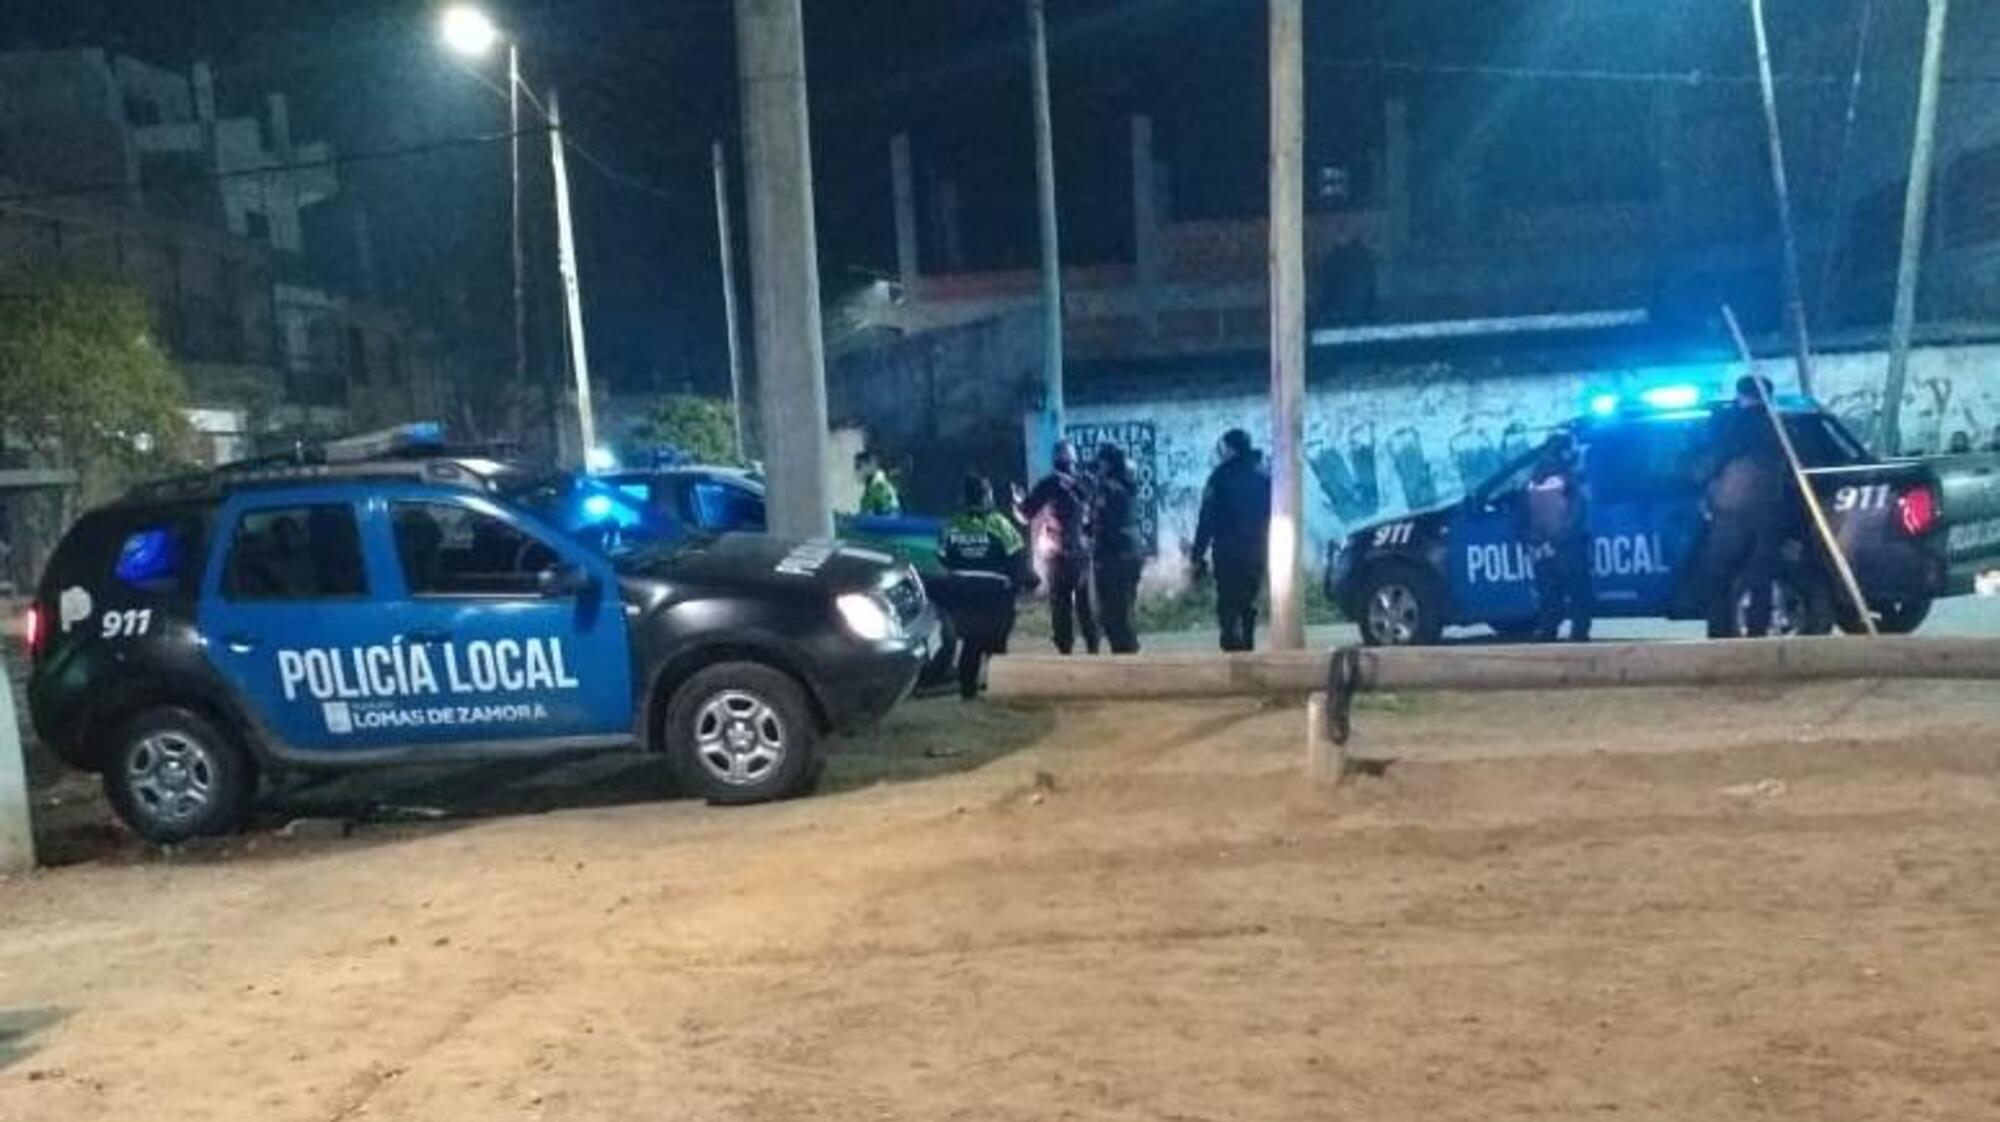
17,835
520,254
1288,321
725,236
1041,446
1916,210
784,265
1795,300
572,292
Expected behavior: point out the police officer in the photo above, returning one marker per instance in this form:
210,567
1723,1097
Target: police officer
989,561
1235,522
878,496
1557,530
1747,515
1121,550
1064,496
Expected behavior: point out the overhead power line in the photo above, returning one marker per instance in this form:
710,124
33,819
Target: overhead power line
1697,77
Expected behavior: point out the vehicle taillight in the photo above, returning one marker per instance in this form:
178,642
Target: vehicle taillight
1919,509
34,628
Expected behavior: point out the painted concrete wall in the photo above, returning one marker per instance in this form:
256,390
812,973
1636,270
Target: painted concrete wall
1424,437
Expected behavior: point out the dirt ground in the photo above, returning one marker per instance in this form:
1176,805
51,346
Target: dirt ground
1699,906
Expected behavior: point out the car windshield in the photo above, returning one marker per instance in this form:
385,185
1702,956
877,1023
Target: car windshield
587,510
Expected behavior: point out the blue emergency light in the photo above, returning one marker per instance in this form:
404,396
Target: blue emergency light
148,556
1672,397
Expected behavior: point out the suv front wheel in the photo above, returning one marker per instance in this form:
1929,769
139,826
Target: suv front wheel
742,732
1400,606
173,776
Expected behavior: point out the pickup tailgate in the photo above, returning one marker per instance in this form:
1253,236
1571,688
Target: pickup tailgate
1971,489
1890,521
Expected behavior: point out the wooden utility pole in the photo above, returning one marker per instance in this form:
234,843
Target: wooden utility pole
725,237
1288,321
1916,210
1795,300
1050,419
784,265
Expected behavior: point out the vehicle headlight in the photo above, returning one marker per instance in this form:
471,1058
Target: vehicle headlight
867,616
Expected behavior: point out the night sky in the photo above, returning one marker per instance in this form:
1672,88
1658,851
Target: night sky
647,84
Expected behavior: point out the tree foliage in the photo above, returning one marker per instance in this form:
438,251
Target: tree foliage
83,384
702,428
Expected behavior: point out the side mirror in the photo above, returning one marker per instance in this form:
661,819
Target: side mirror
563,581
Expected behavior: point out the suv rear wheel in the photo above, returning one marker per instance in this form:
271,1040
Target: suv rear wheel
1800,606
742,732
172,776
1901,617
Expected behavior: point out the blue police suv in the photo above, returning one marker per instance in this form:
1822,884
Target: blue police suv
268,616
1901,524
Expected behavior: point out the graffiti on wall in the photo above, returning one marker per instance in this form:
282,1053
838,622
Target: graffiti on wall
1381,450
1140,441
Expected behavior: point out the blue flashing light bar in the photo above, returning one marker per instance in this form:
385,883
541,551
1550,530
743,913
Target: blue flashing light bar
1604,404
1672,397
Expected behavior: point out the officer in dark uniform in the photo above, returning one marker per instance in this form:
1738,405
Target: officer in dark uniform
1235,522
1747,515
989,563
1121,549
1557,530
1064,495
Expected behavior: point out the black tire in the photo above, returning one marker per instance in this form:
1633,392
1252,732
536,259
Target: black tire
740,733
1411,616
1800,596
1902,617
172,776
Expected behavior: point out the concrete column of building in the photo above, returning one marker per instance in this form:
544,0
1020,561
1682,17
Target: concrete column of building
784,266
903,184
201,82
951,230
1396,203
1145,221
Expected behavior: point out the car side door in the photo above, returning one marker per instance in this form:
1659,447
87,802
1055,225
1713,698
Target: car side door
512,631
288,594
1645,511
1492,579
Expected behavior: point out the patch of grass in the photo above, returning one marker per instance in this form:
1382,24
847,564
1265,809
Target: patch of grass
929,737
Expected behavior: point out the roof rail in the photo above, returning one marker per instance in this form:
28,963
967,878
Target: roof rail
280,471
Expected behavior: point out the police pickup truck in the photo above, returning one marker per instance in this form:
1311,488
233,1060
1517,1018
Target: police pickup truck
1404,581
338,615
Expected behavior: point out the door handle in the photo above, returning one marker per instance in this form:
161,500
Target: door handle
429,636
241,643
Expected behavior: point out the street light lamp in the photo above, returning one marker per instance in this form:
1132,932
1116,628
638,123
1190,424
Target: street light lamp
468,31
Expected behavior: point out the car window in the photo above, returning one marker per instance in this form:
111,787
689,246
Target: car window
446,549
1821,442
295,553
725,507
155,558
1643,461
1509,481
